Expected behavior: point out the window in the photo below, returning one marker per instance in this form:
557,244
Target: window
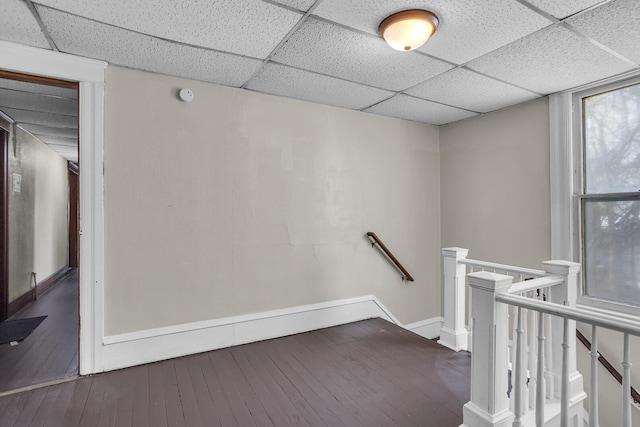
607,191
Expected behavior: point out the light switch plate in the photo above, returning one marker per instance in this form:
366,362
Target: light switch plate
17,182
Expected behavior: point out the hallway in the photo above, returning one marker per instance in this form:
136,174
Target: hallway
51,351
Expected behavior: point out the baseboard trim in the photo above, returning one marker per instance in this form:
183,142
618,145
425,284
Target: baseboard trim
152,345
17,304
429,328
46,283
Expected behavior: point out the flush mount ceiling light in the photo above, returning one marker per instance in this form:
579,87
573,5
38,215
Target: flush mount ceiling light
409,29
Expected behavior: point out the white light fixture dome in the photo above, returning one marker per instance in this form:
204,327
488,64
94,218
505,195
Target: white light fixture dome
409,29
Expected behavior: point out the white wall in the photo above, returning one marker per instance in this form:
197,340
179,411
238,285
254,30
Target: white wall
495,185
240,202
38,235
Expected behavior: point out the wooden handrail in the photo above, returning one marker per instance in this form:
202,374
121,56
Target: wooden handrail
394,260
608,366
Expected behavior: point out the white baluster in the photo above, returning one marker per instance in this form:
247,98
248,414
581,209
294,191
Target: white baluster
593,388
533,356
548,357
564,390
626,385
540,397
513,354
524,361
518,383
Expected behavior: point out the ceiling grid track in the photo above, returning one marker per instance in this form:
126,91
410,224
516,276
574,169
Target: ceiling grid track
283,41
44,30
599,45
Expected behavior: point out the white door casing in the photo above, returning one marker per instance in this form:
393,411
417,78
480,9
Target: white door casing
90,75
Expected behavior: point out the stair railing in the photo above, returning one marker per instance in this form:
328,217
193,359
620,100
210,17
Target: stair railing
593,351
546,388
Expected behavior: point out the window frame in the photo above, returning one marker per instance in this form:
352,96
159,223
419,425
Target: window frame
567,179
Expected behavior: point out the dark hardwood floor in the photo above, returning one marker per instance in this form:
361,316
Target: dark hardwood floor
51,351
369,373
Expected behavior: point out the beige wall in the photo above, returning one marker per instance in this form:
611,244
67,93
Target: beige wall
51,239
240,202
495,185
22,160
37,214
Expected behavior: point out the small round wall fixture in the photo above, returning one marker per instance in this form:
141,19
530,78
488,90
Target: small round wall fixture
186,95
409,29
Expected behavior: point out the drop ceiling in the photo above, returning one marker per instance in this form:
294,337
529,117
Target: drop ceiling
485,55
48,112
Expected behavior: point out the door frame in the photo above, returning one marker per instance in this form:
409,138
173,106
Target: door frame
5,127
89,74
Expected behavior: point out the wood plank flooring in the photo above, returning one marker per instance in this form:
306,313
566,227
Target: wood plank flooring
51,351
369,373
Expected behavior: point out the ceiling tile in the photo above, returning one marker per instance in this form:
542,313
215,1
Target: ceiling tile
615,25
335,51
121,47
37,88
18,25
467,30
419,110
550,60
215,24
50,130
37,102
38,118
302,5
293,83
471,91
564,8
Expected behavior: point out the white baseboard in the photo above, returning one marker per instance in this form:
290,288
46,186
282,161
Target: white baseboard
429,328
136,348
455,340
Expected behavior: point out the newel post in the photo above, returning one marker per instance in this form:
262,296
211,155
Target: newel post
489,405
568,387
453,333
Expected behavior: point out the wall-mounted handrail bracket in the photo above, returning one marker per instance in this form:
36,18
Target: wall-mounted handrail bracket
376,241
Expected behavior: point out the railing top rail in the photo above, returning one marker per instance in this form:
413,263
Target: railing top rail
581,315
503,267
532,285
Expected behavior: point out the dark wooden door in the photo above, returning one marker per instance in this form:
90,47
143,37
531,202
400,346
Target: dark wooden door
73,215
5,126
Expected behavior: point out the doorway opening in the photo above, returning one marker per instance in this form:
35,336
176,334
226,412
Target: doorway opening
39,248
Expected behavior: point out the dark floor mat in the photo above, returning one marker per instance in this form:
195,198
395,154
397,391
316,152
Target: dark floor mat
19,329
